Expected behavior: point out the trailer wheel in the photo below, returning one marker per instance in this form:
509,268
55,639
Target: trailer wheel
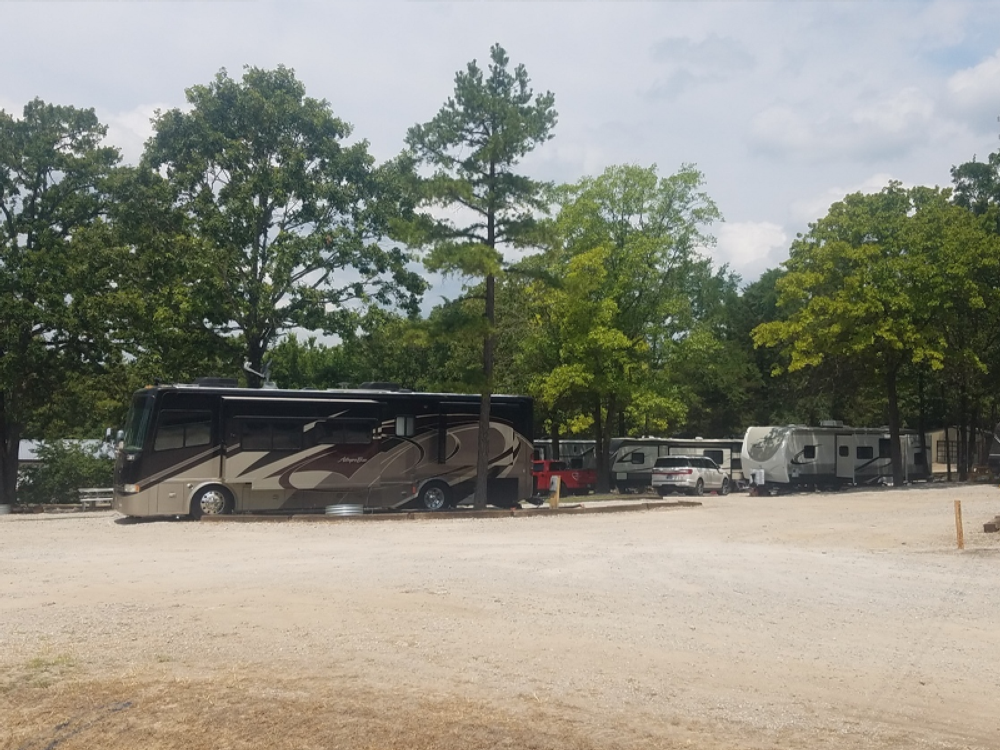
435,496
724,490
213,500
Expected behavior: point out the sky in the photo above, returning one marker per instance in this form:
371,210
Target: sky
785,107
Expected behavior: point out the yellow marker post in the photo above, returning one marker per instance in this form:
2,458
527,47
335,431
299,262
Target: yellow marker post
958,524
554,484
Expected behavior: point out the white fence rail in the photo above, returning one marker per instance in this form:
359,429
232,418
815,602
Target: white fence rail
95,497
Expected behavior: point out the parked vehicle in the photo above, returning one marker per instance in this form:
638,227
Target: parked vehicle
213,448
830,455
577,453
634,458
574,481
694,475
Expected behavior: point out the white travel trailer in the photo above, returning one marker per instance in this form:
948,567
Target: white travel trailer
633,458
826,456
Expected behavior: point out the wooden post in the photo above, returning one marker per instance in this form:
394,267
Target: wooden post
555,484
958,524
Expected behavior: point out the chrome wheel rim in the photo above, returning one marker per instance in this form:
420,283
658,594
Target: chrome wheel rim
434,498
212,502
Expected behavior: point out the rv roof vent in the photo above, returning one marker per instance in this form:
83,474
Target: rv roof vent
830,423
216,382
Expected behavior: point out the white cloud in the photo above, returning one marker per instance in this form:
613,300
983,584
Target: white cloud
975,92
130,130
816,206
750,248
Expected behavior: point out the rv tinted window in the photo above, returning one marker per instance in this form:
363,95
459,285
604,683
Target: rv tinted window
638,457
866,452
715,456
182,429
268,435
286,436
844,451
348,431
809,451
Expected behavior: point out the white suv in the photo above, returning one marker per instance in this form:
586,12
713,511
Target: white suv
691,474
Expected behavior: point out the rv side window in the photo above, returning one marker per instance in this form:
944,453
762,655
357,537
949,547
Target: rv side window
406,425
638,457
267,435
884,449
844,451
182,429
347,432
715,456
866,451
809,451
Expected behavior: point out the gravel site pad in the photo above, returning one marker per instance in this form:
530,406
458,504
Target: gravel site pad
826,620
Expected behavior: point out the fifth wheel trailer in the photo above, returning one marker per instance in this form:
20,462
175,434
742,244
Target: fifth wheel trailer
795,456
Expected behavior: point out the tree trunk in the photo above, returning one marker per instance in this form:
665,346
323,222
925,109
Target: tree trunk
479,499
604,421
10,440
895,453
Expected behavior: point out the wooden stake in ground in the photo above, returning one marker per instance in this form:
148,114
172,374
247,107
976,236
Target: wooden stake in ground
958,524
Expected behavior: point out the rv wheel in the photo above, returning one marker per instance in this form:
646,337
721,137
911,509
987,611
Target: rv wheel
434,496
211,501
725,486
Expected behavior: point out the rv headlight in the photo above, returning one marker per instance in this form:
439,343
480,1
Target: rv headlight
130,489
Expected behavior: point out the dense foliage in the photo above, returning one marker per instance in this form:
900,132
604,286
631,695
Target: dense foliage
64,467
254,230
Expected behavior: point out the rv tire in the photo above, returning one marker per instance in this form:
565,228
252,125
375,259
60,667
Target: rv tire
435,496
214,500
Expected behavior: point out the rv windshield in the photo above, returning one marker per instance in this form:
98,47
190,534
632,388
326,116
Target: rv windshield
137,422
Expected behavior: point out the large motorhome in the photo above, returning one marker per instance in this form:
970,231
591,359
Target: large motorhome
825,456
633,458
214,448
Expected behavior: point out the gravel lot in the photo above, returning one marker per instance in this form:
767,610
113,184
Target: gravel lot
836,620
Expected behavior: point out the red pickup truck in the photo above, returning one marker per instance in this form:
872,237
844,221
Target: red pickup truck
574,481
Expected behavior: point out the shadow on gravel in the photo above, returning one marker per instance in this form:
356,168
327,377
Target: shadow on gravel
131,520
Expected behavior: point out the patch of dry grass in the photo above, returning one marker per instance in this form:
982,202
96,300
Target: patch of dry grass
241,710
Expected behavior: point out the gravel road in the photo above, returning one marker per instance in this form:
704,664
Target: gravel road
835,620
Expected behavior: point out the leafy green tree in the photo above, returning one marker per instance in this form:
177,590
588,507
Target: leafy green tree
54,274
977,186
626,291
882,282
64,467
472,146
291,221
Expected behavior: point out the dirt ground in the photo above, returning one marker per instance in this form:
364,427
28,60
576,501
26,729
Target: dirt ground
821,621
